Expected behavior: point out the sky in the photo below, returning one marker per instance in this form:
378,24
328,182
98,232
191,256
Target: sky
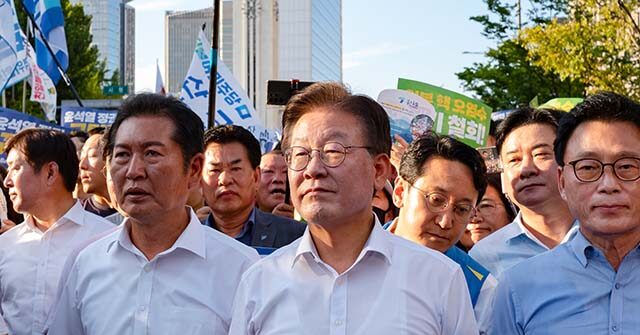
424,40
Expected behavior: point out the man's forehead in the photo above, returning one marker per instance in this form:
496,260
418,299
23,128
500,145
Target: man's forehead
330,134
226,152
582,142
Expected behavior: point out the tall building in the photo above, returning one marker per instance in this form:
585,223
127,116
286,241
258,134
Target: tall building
113,31
294,39
182,29
310,39
262,40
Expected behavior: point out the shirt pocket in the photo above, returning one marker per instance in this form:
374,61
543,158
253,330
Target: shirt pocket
195,321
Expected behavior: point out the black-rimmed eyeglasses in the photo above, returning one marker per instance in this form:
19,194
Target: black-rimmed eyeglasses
589,170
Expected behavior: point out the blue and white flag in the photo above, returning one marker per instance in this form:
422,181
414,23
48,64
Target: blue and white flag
43,90
11,42
50,18
232,104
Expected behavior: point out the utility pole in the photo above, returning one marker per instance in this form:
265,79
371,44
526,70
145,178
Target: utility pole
251,10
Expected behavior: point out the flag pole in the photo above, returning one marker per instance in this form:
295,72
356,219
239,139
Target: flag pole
24,82
213,74
55,59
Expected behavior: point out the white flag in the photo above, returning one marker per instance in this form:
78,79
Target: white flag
42,88
232,104
159,82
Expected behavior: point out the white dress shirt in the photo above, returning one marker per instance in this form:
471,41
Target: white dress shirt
394,287
188,289
31,263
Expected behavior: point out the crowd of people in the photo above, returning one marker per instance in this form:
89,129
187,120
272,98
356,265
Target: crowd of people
154,226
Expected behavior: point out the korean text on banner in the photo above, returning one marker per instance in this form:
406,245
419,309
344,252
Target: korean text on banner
459,116
11,44
232,104
85,119
42,88
12,122
50,18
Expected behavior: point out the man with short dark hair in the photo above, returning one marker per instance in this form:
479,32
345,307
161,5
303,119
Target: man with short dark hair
440,182
525,143
272,188
591,284
161,272
42,173
93,178
230,182
346,275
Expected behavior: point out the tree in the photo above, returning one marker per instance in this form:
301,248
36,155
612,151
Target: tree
509,78
86,70
599,45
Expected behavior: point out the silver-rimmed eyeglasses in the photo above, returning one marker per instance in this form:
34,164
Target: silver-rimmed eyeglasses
332,154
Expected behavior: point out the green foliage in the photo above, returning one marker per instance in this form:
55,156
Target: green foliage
509,78
598,45
85,70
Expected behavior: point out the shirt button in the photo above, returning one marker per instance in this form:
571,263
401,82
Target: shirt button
338,323
339,281
147,268
142,308
617,286
614,328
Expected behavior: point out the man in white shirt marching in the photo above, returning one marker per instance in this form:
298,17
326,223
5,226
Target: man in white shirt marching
346,275
42,172
162,272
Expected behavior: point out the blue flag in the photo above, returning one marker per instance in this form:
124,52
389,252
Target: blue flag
11,42
49,17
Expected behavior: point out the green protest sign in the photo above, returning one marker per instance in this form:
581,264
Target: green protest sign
563,104
457,115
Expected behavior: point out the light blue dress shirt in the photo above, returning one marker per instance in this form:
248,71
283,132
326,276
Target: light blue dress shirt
571,289
509,246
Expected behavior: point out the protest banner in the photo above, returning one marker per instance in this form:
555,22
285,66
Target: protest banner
42,88
12,122
410,115
85,119
562,104
457,115
232,104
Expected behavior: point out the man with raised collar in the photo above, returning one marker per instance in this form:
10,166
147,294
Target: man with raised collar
525,143
162,271
591,284
42,173
346,275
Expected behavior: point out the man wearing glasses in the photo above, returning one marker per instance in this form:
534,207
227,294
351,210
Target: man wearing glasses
441,179
591,284
346,275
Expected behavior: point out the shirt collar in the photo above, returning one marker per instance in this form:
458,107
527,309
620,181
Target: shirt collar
75,214
581,248
250,221
192,238
377,242
517,228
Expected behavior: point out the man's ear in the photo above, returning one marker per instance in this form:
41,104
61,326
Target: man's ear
195,170
398,192
257,174
51,171
561,181
382,167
